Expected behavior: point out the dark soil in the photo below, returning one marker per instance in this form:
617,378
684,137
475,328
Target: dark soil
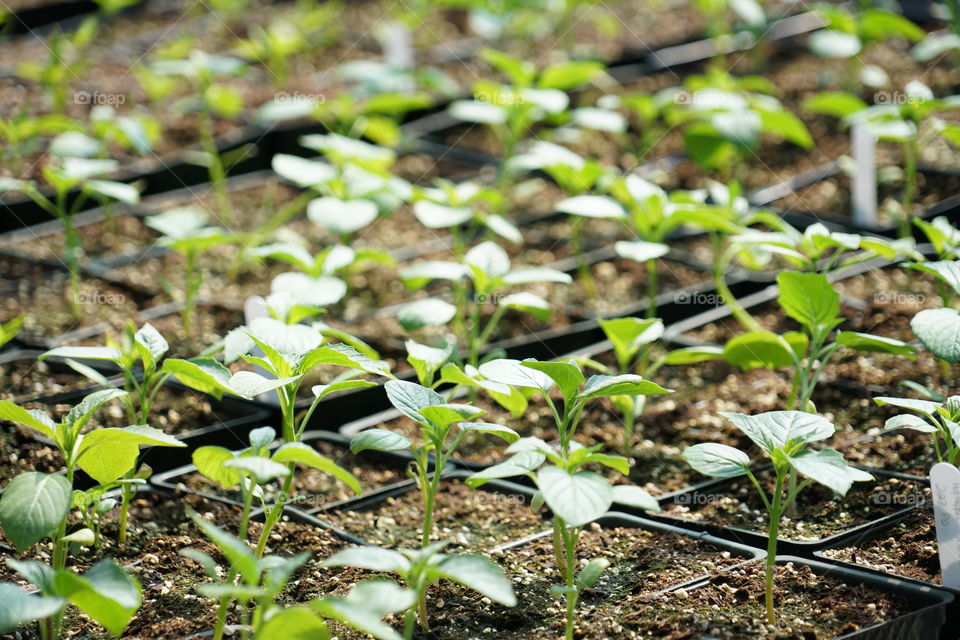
27,378
908,549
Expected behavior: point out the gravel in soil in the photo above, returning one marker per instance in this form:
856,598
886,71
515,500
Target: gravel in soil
475,520
27,378
312,488
820,513
907,549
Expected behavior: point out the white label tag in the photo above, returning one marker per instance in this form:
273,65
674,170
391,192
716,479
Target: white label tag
945,484
864,193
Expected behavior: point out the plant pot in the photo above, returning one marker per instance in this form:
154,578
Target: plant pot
904,549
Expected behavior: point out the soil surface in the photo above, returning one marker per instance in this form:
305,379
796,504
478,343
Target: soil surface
907,549
27,378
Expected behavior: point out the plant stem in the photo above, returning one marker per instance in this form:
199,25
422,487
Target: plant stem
772,533
273,515
190,298
570,543
126,494
911,159
218,174
653,287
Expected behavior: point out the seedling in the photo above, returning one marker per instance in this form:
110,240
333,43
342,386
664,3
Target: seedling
63,178
478,281
936,327
138,356
784,437
719,26
911,123
574,495
531,97
422,568
938,419
436,417
185,230
848,34
210,98
460,208
67,60
256,583
724,118
289,353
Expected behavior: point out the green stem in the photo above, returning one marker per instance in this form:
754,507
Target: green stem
653,288
771,560
126,492
217,172
911,160
273,515
190,297
572,594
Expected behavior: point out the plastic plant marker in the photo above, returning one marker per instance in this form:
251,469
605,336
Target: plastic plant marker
945,483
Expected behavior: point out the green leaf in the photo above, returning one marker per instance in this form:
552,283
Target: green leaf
421,274
946,270
577,498
446,414
320,391
341,216
828,467
717,460
439,216
528,303
907,421
107,454
409,398
150,342
502,432
775,430
760,348
834,103
623,385
295,623
628,335
378,440
105,592
343,355
9,330
80,413
366,604
828,43
636,497
262,469
939,331
520,464
202,374
591,207
566,375
516,373
248,384
300,452
808,298
210,461
371,558
236,551
569,75
424,313
478,573
693,355
32,507
589,575
108,354
33,418
926,407
875,344
17,606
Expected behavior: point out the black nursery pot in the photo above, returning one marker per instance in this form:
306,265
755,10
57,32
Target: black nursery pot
928,605
950,631
768,197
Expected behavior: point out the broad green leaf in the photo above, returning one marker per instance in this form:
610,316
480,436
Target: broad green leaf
640,251
422,273
306,455
210,460
248,384
628,335
33,418
489,258
566,375
926,407
378,440
834,103
536,274
294,623
939,331
908,421
636,497
623,385
80,413
946,270
320,391
439,216
409,398
262,469
591,207
589,575
875,344
759,348
341,216
808,298
32,507
693,355
528,303
576,498
236,552
84,353
202,374
520,464
775,430
515,373
150,340
372,558
479,574
717,460
502,432
828,43
446,414
17,606
828,467
105,592
569,75
423,313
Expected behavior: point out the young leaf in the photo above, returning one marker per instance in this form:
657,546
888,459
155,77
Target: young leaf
477,573
410,398
32,507
939,331
717,460
520,464
776,429
294,623
634,497
423,313
17,606
577,498
372,558
210,460
828,467
623,385
105,592
300,452
378,440
33,418
566,375
808,298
